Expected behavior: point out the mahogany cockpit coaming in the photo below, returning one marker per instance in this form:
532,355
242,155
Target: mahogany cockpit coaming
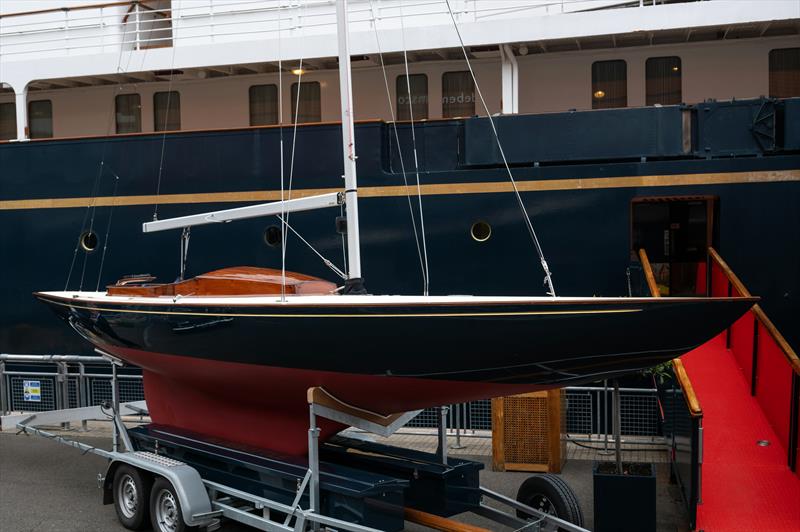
235,281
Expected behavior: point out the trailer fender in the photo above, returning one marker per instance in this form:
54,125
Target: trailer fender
189,487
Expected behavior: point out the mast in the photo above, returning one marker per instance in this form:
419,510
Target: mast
354,283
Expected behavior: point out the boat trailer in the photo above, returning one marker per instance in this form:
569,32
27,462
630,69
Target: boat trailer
176,480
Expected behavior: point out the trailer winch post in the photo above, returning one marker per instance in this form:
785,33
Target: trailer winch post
3,391
441,451
62,389
313,461
82,392
115,408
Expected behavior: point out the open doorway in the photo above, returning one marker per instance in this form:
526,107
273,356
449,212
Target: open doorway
676,232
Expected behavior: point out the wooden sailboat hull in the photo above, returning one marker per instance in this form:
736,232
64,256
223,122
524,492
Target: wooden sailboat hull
240,371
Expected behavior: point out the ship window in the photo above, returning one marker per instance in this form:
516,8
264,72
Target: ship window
784,73
663,80
458,94
310,108
263,105
609,84
418,110
167,111
481,231
272,236
89,241
8,121
40,119
129,113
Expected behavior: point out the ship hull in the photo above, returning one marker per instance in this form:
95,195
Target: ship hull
582,213
240,370
265,407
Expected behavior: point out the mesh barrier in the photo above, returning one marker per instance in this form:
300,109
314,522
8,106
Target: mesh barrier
588,411
476,415
100,390
579,407
73,392
639,414
46,397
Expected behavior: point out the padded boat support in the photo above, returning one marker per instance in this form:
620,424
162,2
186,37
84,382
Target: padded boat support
323,404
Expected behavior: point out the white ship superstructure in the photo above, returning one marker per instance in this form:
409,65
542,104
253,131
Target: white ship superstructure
81,68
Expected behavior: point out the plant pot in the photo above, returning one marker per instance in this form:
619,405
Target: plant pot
626,502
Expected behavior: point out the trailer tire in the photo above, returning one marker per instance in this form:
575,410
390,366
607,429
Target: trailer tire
131,489
165,508
550,494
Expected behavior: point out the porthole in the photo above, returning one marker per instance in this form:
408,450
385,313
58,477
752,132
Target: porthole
481,231
272,236
88,241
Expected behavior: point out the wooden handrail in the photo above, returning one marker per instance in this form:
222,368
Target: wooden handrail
688,391
648,274
788,352
677,366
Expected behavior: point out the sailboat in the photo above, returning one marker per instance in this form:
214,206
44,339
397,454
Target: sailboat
231,353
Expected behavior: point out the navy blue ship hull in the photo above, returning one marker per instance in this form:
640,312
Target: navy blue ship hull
581,208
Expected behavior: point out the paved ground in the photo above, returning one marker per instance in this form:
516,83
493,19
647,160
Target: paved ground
45,486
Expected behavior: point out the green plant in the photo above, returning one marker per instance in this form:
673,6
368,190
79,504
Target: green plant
661,372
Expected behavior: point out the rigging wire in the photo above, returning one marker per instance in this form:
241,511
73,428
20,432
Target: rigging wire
326,261
547,276
167,115
414,146
285,235
92,207
422,250
280,146
108,232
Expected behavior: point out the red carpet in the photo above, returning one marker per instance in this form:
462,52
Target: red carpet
744,486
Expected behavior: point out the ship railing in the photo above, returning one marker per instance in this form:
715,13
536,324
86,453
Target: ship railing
140,24
681,419
41,383
587,419
770,365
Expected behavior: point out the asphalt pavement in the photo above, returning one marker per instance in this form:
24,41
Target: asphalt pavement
45,486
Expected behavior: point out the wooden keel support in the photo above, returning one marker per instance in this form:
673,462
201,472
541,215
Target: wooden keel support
320,396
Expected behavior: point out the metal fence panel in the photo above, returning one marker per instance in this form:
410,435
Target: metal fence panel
580,407
48,395
639,414
587,409
100,390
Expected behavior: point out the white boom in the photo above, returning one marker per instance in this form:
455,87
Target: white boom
240,213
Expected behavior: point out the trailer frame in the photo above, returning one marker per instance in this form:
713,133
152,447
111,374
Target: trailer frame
204,503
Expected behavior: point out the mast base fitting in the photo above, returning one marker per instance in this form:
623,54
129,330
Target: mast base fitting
354,287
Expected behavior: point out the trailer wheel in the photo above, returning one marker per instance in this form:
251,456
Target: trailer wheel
131,497
165,509
551,495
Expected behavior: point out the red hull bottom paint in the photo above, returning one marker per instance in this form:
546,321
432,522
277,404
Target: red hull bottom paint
266,407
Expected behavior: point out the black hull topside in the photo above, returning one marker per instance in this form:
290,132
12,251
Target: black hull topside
543,343
251,364
579,174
